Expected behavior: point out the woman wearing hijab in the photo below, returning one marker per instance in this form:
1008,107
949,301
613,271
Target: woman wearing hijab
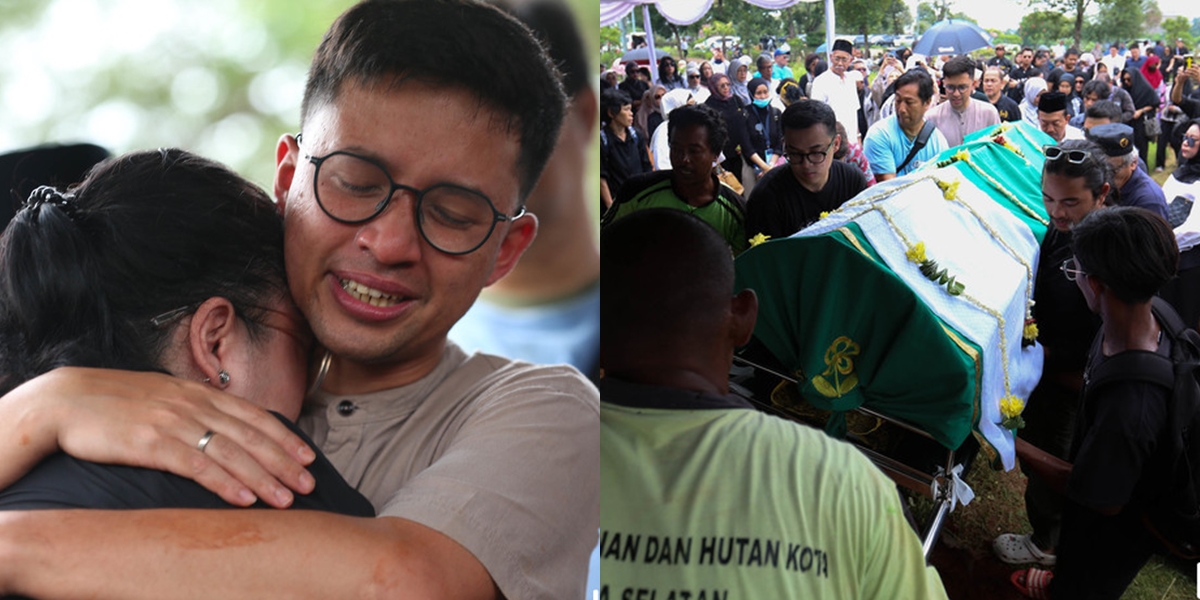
660,149
1034,87
1145,105
732,110
649,115
668,74
1152,71
1181,189
740,77
765,130
1066,85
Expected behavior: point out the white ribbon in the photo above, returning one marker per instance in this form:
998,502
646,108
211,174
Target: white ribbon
960,492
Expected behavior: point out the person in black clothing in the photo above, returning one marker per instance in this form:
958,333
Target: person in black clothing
1000,60
765,131
993,89
1145,104
668,74
159,261
787,200
1020,72
633,86
1071,191
623,153
739,147
1119,466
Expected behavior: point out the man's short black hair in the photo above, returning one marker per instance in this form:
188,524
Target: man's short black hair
1099,87
1132,250
805,113
703,115
666,274
611,101
387,43
920,77
1072,51
1105,109
958,66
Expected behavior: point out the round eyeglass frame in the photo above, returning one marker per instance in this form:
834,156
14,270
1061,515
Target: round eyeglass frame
800,157
497,216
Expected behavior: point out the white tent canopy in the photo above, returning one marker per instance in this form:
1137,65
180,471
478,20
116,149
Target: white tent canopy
686,12
679,12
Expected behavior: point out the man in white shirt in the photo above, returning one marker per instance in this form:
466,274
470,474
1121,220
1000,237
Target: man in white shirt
960,116
1113,60
837,90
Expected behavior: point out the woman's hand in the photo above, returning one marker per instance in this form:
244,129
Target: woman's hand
155,421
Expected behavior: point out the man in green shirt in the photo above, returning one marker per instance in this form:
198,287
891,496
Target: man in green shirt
702,496
696,135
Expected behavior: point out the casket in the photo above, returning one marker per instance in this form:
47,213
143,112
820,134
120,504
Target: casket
913,299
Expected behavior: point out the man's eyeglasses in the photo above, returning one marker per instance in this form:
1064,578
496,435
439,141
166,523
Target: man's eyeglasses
1075,157
354,189
1190,141
1071,270
958,89
814,158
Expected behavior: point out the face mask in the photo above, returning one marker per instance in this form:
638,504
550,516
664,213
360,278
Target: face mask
761,103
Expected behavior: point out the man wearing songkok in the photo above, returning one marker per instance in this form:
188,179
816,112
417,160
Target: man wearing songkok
1052,117
837,90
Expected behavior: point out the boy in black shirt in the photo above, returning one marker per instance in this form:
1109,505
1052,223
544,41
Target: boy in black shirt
1119,468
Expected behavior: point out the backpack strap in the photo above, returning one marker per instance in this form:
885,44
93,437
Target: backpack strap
922,139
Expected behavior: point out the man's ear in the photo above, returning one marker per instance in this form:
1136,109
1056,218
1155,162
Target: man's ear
287,153
744,312
209,336
520,235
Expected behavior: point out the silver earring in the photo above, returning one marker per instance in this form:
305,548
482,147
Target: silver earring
223,377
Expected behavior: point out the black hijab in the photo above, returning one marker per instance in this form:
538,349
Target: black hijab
1189,170
1143,95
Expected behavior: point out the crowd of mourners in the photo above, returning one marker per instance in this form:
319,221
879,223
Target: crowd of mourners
759,148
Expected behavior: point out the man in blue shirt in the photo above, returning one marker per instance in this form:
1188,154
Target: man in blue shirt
1135,186
781,70
889,141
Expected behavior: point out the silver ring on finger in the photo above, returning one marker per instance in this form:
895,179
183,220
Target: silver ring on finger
208,436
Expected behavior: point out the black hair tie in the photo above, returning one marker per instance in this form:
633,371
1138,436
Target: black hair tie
48,195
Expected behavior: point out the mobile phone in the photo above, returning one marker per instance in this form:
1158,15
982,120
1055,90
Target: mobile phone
1188,62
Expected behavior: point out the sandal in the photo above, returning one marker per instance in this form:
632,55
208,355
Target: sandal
1033,582
1020,550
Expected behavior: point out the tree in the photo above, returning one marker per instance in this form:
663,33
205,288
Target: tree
860,15
1043,27
1118,20
1153,14
806,18
1072,9
896,17
1178,27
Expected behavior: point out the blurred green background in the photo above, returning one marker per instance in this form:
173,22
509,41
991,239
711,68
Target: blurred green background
222,78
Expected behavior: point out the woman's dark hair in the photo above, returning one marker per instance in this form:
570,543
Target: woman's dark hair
611,101
1132,250
703,115
82,274
1094,170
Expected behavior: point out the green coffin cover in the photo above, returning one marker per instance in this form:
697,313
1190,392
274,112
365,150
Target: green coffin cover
825,321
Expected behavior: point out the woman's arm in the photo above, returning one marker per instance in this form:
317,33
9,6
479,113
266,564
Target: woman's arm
155,421
210,554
